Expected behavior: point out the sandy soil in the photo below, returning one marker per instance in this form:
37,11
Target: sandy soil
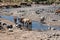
6,21
30,35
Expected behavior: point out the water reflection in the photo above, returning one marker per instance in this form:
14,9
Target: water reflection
35,25
8,17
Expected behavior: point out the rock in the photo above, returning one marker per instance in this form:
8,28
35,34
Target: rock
10,30
56,34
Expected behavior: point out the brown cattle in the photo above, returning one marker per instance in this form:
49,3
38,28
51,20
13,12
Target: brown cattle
57,12
25,21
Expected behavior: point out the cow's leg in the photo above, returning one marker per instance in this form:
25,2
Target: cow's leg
15,21
24,23
29,26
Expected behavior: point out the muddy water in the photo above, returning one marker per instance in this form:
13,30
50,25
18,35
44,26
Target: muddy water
35,25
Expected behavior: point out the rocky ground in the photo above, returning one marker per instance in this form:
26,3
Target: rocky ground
29,12
30,35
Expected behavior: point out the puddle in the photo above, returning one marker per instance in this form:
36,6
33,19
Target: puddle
35,25
38,26
8,17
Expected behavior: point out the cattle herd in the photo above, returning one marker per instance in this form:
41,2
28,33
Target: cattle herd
23,23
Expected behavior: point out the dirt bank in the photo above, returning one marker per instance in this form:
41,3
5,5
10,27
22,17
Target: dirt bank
6,21
30,35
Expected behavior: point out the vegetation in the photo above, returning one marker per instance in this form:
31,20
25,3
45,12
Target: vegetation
25,0
48,1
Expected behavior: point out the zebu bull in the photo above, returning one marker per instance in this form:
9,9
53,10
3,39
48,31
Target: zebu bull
9,28
57,12
26,22
4,26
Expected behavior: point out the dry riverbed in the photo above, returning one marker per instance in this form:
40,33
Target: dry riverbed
30,35
29,12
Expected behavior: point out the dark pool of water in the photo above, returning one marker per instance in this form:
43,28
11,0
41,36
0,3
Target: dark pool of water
35,25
